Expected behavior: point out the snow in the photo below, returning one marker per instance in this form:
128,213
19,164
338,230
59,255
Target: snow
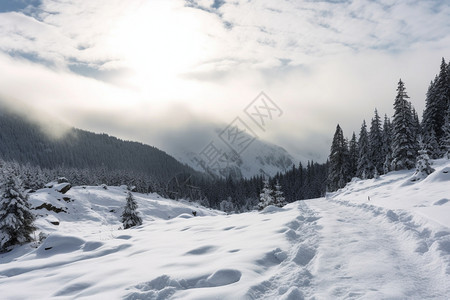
385,238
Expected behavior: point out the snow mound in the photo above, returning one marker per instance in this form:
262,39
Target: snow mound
441,175
58,244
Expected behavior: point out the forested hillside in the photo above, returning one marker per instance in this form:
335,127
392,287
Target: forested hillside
26,143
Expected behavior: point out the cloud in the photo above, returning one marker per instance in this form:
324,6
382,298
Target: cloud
155,70
16,5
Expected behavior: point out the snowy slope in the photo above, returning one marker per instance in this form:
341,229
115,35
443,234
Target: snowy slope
395,246
394,234
172,253
428,198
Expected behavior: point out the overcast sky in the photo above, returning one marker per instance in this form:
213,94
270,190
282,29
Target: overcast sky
155,70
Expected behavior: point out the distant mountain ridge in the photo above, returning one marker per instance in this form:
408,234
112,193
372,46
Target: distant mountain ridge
261,158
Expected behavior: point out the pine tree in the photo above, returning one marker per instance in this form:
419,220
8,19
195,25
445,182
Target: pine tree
404,143
353,153
445,142
429,120
416,128
16,218
386,149
279,200
365,168
431,144
376,144
416,124
338,174
438,96
266,196
130,216
442,99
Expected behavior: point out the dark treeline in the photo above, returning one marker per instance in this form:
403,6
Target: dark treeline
297,184
34,177
229,194
395,144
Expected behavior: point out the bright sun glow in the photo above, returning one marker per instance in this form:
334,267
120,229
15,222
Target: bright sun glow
158,41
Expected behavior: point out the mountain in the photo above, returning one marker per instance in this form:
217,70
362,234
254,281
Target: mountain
259,158
26,143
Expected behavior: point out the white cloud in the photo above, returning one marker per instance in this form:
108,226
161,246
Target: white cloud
174,64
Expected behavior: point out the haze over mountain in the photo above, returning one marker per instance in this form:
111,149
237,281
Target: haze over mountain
259,158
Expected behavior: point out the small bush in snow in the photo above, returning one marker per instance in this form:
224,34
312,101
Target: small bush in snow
227,206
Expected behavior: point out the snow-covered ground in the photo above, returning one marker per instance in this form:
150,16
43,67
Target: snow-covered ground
385,238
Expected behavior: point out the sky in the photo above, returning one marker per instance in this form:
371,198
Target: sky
172,73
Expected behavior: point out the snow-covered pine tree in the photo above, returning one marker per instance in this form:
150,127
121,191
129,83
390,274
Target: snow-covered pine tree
445,141
404,143
429,121
386,149
416,123
353,153
266,196
338,174
438,96
279,200
416,128
16,218
346,176
431,144
365,168
376,144
130,215
442,98
423,166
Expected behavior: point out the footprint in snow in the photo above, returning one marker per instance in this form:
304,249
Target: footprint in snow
72,289
304,255
441,202
201,250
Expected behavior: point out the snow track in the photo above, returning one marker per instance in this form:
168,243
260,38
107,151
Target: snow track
291,279
364,253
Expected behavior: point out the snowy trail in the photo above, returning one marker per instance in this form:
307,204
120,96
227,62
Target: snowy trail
364,256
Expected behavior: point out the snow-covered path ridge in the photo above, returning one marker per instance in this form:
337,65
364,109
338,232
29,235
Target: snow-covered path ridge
367,253
290,278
